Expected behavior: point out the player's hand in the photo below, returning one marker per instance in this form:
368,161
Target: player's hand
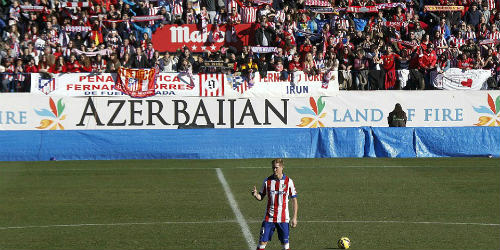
293,223
254,191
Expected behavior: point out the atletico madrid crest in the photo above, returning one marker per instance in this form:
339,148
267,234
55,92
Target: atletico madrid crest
46,86
136,82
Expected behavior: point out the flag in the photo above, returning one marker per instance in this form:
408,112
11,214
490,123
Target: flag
211,84
136,82
238,83
96,38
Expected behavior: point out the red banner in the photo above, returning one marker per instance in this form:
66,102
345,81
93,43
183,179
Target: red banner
173,37
136,82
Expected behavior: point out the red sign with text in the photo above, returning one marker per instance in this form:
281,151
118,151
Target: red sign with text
173,37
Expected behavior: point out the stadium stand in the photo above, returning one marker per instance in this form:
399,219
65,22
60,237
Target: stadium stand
374,44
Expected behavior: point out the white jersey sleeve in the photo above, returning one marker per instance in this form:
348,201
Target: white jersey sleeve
263,189
291,189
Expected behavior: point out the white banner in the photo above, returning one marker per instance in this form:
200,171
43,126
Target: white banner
26,111
178,84
87,84
258,49
455,78
297,84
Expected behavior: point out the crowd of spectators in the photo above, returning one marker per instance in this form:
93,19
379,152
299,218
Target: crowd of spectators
367,49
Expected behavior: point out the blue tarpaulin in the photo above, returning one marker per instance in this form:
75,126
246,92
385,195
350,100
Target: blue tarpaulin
249,143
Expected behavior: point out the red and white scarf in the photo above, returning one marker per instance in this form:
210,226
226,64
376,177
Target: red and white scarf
75,4
77,28
30,8
407,43
362,9
95,53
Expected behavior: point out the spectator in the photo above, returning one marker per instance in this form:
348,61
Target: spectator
360,71
248,70
346,60
51,58
127,61
72,66
211,7
140,60
8,76
170,63
186,54
443,29
186,67
31,67
114,64
264,65
442,65
389,63
427,62
264,35
465,63
308,65
59,66
43,64
473,15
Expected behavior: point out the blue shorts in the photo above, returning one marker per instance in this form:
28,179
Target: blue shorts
267,230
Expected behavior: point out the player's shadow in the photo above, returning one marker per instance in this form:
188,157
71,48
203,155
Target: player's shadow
332,248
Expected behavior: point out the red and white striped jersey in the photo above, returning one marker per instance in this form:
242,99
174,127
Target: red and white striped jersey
280,16
470,35
439,44
491,4
234,19
457,41
338,39
230,4
9,70
177,7
344,24
441,29
153,11
248,14
278,192
494,35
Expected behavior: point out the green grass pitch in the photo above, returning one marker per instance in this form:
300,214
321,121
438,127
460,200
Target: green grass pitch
444,203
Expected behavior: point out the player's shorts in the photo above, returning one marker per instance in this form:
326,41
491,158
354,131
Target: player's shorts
267,230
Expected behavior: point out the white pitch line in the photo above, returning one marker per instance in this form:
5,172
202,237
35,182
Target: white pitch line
117,224
394,221
234,205
96,169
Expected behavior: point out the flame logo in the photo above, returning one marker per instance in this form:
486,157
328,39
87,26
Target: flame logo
55,115
315,110
492,113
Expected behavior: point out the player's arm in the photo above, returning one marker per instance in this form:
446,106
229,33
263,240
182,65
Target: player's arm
256,194
295,205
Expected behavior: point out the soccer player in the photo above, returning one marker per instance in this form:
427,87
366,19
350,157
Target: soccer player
278,187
